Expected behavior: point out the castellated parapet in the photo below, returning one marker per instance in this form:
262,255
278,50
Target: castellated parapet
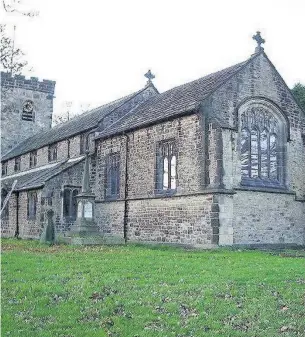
19,81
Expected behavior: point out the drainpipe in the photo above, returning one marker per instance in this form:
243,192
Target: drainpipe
126,189
17,216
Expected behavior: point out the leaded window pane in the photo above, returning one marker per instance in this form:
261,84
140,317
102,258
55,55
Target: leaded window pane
173,172
264,154
165,173
32,204
254,153
245,152
112,178
273,157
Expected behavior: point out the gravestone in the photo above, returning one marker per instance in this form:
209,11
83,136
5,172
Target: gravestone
48,233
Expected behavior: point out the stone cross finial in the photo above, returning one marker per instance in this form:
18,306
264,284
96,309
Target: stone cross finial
257,37
149,76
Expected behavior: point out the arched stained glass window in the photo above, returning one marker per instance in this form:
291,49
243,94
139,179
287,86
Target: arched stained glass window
261,152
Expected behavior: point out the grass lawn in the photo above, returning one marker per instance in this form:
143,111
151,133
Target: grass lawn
150,291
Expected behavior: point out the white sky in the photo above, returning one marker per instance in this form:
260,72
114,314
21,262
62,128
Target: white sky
98,50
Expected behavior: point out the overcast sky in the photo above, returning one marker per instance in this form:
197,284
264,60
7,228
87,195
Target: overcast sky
99,50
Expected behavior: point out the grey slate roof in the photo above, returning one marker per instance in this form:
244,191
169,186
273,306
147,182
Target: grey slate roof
36,179
173,102
81,123
161,106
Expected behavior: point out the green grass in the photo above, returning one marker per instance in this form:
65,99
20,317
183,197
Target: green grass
150,291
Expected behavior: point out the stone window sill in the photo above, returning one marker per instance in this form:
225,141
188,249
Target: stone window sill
262,183
111,197
278,190
165,193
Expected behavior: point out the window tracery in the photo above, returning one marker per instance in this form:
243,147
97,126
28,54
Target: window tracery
261,147
166,170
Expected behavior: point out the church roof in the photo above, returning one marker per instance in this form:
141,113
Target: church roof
81,123
36,178
181,99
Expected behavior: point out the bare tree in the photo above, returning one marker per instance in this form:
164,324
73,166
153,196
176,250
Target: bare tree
68,114
12,58
13,6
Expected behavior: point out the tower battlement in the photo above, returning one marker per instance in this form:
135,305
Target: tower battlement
19,81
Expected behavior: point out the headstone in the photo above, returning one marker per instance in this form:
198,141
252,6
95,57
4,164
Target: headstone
48,234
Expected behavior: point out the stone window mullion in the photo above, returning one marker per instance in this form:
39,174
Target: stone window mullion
259,154
166,167
268,154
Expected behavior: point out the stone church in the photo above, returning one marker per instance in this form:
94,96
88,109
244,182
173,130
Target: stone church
216,161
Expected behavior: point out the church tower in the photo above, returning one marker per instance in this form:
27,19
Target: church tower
26,108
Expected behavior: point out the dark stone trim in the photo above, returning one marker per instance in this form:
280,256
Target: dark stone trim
264,190
208,191
265,246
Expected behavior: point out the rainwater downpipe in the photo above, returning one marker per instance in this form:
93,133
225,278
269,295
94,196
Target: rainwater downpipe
126,189
17,216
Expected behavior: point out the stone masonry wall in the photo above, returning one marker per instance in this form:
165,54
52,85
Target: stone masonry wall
14,92
8,226
183,220
268,218
63,150
188,136
29,228
110,218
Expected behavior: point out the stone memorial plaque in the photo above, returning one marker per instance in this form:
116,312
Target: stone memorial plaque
88,210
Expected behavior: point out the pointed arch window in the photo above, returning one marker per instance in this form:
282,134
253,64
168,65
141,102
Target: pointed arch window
166,168
70,202
32,205
262,148
112,176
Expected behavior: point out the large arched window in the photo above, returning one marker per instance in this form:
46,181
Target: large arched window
262,146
